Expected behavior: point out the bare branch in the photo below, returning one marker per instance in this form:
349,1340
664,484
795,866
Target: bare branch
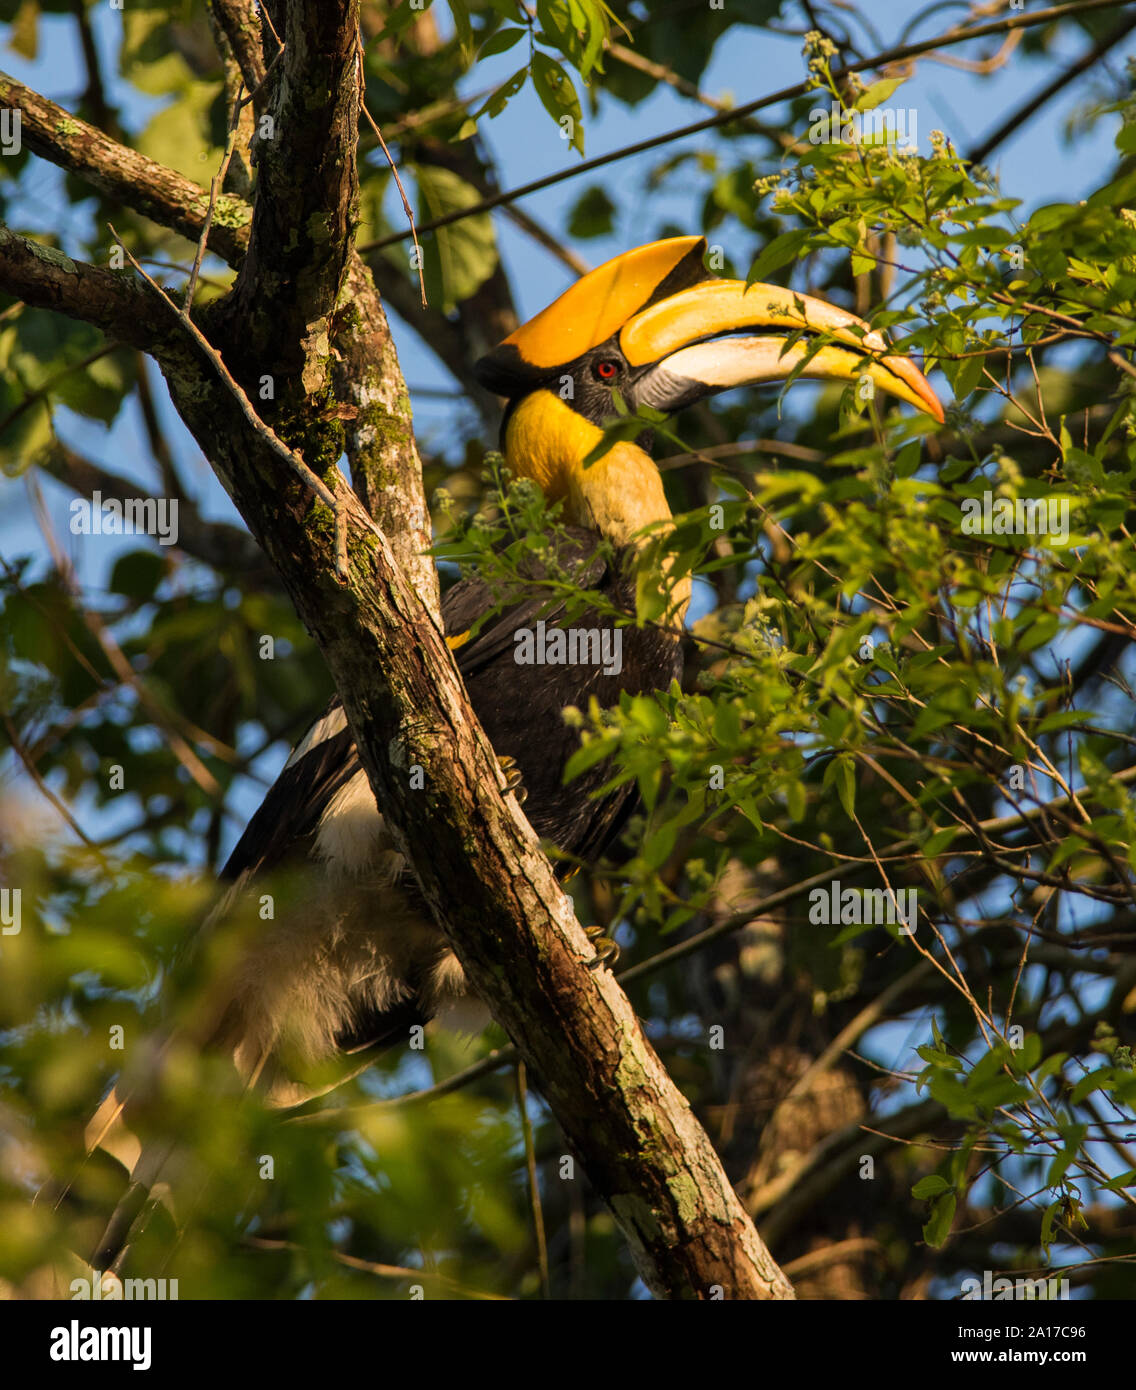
47,279
394,170
121,173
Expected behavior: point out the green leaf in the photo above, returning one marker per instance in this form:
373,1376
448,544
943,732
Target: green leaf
1103,1079
463,29
182,134
596,29
1051,1066
137,574
592,215
150,57
594,751
909,458
938,1227
458,259
26,432
964,375
616,431
499,98
935,844
23,36
878,93
938,1057
1048,1221
780,251
558,97
930,1186
1023,1059
1061,1161
500,42
841,772
796,800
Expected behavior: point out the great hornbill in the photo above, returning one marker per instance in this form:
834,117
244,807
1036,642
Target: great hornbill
360,961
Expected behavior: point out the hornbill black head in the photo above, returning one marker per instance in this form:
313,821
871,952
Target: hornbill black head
658,327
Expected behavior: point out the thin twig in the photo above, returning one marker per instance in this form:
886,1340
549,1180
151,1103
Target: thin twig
534,1186
263,8
382,1271
114,654
214,192
34,773
660,73
394,168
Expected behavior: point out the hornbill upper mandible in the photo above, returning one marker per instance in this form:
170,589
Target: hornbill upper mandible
358,961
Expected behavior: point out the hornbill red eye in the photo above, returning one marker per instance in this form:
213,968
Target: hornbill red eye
606,370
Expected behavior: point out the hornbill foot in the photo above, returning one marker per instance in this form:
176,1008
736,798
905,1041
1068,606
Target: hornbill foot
513,779
607,950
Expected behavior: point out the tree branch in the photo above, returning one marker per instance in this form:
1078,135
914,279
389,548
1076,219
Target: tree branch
47,279
239,20
124,175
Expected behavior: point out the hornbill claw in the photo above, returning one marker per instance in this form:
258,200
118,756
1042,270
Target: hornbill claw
607,950
513,777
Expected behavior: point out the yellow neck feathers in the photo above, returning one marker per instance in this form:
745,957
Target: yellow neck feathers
618,495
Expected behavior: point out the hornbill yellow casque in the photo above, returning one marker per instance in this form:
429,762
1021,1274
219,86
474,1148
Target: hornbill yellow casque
362,961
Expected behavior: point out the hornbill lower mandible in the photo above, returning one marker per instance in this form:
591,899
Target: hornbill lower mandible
359,961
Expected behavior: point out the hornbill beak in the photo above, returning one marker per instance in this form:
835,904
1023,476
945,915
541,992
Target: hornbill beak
681,338
677,334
